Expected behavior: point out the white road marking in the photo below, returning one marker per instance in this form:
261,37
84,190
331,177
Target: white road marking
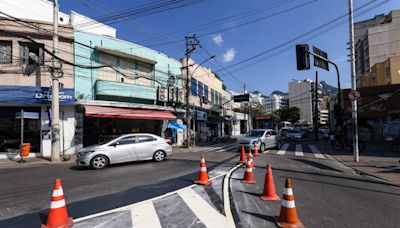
316,152
227,202
145,215
283,149
204,211
299,150
266,152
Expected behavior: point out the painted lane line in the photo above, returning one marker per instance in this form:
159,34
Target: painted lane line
299,150
204,211
128,207
145,215
316,152
227,203
283,149
266,152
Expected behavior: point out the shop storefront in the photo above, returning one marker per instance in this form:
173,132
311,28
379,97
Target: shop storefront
37,131
102,123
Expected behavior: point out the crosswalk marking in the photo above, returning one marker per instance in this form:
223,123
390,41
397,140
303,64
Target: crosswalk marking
204,211
316,152
145,215
299,150
283,149
266,152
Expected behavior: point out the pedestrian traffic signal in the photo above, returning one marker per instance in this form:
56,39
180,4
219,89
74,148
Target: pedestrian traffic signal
302,57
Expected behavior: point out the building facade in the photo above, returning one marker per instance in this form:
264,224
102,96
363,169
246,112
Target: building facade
25,86
301,95
275,102
376,40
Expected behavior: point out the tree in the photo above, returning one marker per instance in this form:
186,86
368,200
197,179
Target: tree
291,114
257,109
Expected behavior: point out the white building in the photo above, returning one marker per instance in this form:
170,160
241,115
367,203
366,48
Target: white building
274,102
301,95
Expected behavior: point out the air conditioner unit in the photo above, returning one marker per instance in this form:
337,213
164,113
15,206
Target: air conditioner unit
180,95
171,94
162,94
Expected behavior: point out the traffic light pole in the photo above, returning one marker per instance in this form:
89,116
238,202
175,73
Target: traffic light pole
316,106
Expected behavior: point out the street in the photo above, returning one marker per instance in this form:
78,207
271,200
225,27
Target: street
327,193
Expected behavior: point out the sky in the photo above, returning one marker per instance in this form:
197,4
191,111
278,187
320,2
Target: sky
264,31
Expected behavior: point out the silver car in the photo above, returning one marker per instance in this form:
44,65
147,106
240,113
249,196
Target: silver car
260,138
294,134
125,148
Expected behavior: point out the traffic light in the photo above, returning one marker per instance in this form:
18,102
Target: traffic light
302,57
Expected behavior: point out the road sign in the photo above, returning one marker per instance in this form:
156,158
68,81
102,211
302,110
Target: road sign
318,62
241,98
354,95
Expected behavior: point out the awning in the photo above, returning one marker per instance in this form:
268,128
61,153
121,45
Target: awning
126,113
174,125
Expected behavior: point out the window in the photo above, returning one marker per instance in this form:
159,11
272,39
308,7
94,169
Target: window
194,87
26,48
219,98
206,92
200,88
145,138
5,52
212,96
127,140
216,99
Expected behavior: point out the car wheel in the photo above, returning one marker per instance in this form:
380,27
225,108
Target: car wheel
99,162
262,147
159,156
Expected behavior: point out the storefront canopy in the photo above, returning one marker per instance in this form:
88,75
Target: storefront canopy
174,125
126,113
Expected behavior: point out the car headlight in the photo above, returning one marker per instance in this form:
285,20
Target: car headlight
85,153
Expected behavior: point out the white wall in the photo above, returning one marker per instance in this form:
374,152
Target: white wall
86,24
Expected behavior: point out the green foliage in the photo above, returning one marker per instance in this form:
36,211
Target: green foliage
257,109
291,114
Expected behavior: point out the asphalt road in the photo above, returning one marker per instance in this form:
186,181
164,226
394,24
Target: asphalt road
25,192
327,194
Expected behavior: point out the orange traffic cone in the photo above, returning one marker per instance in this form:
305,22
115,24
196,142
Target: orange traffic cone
269,186
248,173
243,156
288,215
251,160
58,215
255,151
203,176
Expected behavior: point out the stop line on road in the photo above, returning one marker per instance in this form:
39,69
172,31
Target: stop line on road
299,151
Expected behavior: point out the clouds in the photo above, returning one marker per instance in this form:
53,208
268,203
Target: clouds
229,55
218,40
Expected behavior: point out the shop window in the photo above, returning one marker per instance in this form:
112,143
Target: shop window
26,48
200,88
5,52
194,87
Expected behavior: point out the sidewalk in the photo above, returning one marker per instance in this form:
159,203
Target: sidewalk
376,160
31,161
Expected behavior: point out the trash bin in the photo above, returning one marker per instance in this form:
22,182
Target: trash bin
25,148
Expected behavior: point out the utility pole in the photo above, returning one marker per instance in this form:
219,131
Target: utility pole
55,106
316,106
353,84
191,43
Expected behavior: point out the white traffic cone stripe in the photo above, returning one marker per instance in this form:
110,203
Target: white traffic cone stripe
249,170
57,204
58,192
288,191
288,204
203,161
203,168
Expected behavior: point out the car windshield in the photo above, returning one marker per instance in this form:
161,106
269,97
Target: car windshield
255,133
295,131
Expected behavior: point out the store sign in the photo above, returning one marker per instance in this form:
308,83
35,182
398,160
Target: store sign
33,95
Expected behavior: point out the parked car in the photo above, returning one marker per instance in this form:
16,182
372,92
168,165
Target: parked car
260,138
294,134
125,148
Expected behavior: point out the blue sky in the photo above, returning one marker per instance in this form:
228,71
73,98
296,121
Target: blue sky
232,43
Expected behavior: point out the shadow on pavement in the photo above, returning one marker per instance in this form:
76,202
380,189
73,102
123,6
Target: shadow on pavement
264,217
345,186
249,193
316,164
391,171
